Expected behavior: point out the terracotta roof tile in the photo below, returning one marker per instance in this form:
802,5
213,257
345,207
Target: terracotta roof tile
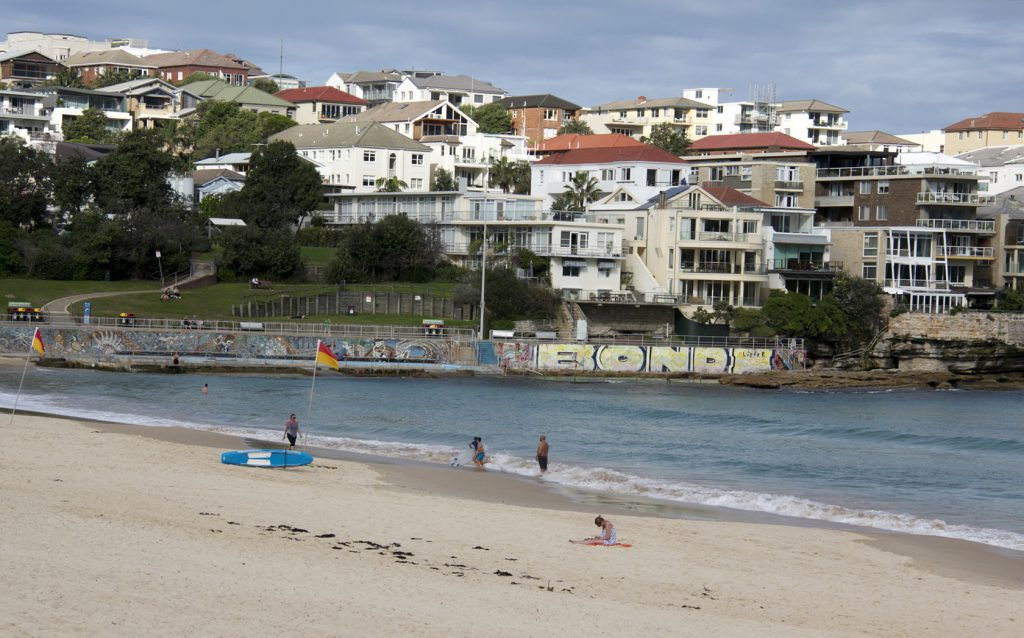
570,141
731,196
1000,121
319,94
749,141
641,153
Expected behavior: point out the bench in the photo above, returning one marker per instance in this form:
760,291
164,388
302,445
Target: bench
250,325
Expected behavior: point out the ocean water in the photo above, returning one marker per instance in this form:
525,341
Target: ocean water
923,462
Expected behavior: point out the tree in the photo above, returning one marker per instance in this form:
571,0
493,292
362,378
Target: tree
502,174
90,127
861,303
580,191
508,297
271,123
521,172
70,78
490,118
280,187
266,84
262,252
24,187
390,185
198,76
225,127
133,176
669,138
443,181
72,182
111,77
1010,300
578,127
395,248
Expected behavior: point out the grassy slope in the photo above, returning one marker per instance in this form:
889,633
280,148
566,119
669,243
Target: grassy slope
41,291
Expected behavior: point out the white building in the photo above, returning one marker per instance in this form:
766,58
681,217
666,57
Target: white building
355,155
60,46
638,117
65,104
457,89
736,116
585,252
23,113
321,104
813,121
455,142
632,173
374,86
235,162
933,141
880,141
1003,165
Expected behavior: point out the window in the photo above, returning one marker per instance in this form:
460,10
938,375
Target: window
960,135
550,114
671,258
786,200
608,174
869,271
570,270
881,213
416,183
745,173
1019,177
655,112
478,99
863,213
718,128
623,197
700,130
417,159
625,174
883,187
750,227
369,156
870,244
865,188
679,113
368,180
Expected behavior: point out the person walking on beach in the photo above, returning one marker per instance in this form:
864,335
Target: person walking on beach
291,430
542,454
481,453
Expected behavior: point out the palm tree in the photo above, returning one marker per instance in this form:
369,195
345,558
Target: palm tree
502,174
390,185
580,191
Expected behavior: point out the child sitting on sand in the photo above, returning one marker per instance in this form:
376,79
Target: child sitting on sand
607,537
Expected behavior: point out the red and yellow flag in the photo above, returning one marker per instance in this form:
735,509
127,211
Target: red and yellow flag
325,356
37,343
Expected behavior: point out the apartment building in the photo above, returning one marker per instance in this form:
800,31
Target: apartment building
744,116
700,245
1002,165
24,114
881,141
991,129
772,181
539,117
26,69
748,143
322,104
64,104
1006,211
586,253
247,97
152,102
353,156
573,141
455,142
60,46
376,87
93,64
819,123
457,89
629,173
636,118
178,65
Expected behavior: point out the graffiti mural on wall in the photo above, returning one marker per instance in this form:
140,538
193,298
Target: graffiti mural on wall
658,359
79,342
516,354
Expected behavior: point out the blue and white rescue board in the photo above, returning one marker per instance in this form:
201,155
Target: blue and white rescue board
266,458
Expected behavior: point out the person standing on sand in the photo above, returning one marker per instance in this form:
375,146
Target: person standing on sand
481,453
291,430
542,454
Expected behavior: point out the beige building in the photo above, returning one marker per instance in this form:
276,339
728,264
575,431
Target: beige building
636,118
776,182
991,129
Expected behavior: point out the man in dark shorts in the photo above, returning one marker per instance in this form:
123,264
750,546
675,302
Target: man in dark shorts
542,454
291,429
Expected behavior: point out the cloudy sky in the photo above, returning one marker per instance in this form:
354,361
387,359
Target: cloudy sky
898,65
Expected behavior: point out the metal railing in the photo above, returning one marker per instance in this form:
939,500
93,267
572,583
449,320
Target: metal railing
672,341
262,327
613,251
895,170
786,185
984,252
739,238
969,199
975,225
805,266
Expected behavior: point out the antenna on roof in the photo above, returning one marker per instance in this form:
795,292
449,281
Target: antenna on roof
280,64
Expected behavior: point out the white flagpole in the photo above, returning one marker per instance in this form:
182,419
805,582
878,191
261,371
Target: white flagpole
20,383
309,410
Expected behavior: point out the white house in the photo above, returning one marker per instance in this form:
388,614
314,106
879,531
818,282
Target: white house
235,162
586,253
65,104
457,89
373,86
23,114
321,104
1003,165
632,173
354,155
813,121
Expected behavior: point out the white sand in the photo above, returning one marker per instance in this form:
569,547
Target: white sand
104,534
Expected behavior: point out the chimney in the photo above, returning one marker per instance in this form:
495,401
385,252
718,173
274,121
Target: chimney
641,99
661,199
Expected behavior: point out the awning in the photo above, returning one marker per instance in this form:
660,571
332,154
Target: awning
605,265
574,262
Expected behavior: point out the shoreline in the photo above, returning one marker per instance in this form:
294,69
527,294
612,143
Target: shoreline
118,527
973,560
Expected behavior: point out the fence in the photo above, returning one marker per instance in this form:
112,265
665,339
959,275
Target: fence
351,302
671,342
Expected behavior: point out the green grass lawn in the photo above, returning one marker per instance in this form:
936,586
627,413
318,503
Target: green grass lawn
319,255
41,291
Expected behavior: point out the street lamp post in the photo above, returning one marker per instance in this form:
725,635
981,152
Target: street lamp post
483,279
161,265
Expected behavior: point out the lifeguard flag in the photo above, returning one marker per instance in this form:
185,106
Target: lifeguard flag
37,343
325,356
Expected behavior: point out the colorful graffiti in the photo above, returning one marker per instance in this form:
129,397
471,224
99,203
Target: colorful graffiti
579,357
84,342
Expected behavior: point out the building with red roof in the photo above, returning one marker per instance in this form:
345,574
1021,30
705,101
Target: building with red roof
322,104
572,141
999,128
747,143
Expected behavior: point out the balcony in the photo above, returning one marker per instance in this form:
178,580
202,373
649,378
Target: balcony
965,252
789,186
961,225
721,268
834,200
955,199
838,124
735,238
795,265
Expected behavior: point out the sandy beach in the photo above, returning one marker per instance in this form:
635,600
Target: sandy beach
117,530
